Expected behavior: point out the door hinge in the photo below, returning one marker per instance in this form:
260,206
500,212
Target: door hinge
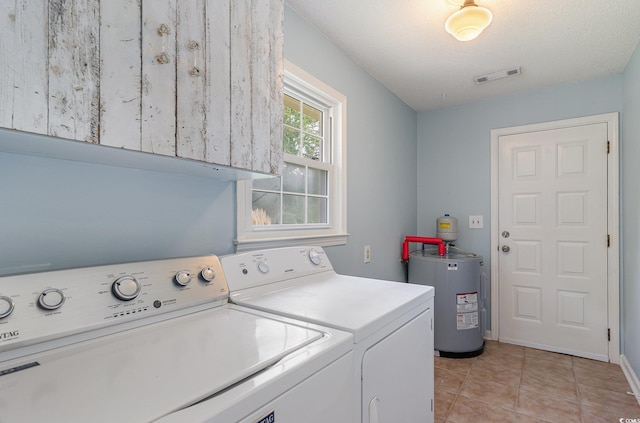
609,335
608,240
608,147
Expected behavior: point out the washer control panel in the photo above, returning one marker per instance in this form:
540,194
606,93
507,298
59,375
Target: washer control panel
251,269
44,306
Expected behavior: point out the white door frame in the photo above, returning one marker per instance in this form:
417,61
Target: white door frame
613,223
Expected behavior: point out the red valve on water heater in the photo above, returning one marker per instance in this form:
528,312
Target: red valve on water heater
425,240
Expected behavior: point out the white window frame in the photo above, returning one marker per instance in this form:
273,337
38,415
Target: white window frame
300,83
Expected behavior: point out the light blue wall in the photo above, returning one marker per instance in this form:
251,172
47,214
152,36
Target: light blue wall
381,137
59,214
631,212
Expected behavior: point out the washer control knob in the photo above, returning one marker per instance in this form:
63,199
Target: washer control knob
263,267
314,256
126,288
208,274
51,299
6,306
183,278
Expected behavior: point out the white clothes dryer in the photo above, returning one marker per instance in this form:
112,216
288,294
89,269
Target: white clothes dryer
391,323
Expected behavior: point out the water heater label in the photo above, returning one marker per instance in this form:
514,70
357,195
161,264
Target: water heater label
467,310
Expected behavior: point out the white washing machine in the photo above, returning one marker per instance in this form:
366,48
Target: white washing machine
391,323
158,341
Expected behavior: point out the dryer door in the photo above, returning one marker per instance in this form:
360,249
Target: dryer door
397,375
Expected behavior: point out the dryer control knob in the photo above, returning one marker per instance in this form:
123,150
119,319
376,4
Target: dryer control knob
6,306
208,274
51,299
263,267
183,278
314,256
126,288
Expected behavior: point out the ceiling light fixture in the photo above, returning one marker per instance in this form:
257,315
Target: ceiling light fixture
468,22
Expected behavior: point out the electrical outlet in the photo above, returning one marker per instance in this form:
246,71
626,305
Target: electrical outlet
367,254
475,222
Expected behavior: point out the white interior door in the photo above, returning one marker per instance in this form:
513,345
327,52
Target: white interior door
552,258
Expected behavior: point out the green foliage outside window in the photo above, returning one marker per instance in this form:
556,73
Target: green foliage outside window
302,129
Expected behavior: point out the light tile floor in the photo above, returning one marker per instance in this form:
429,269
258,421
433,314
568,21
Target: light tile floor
509,383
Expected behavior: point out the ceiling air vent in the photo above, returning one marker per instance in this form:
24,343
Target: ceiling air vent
496,75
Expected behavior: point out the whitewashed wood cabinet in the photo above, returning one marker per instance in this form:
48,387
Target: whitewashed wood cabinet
198,79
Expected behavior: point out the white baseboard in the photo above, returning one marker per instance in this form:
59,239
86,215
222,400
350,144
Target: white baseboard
631,376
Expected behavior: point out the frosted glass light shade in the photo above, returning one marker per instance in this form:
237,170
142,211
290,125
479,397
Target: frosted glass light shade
468,22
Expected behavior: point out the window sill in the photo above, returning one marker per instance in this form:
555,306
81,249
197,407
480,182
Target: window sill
265,243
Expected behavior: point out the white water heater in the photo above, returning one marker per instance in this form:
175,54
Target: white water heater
447,228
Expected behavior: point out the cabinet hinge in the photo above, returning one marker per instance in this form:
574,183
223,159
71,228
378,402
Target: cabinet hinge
608,147
608,240
608,334
432,405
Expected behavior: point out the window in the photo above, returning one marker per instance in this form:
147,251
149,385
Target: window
307,203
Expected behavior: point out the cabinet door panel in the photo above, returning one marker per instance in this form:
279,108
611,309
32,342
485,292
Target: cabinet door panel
256,90
120,73
218,62
74,69
276,88
23,65
159,76
267,89
191,76
241,84
261,79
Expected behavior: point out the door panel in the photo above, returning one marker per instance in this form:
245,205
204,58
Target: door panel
397,375
553,274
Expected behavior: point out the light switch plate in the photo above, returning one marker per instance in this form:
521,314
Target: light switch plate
475,222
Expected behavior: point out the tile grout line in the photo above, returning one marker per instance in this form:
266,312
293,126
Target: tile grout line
515,406
578,393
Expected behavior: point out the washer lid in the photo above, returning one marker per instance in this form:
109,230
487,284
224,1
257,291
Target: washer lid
145,373
358,305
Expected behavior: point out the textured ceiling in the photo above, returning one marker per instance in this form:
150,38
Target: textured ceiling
403,44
